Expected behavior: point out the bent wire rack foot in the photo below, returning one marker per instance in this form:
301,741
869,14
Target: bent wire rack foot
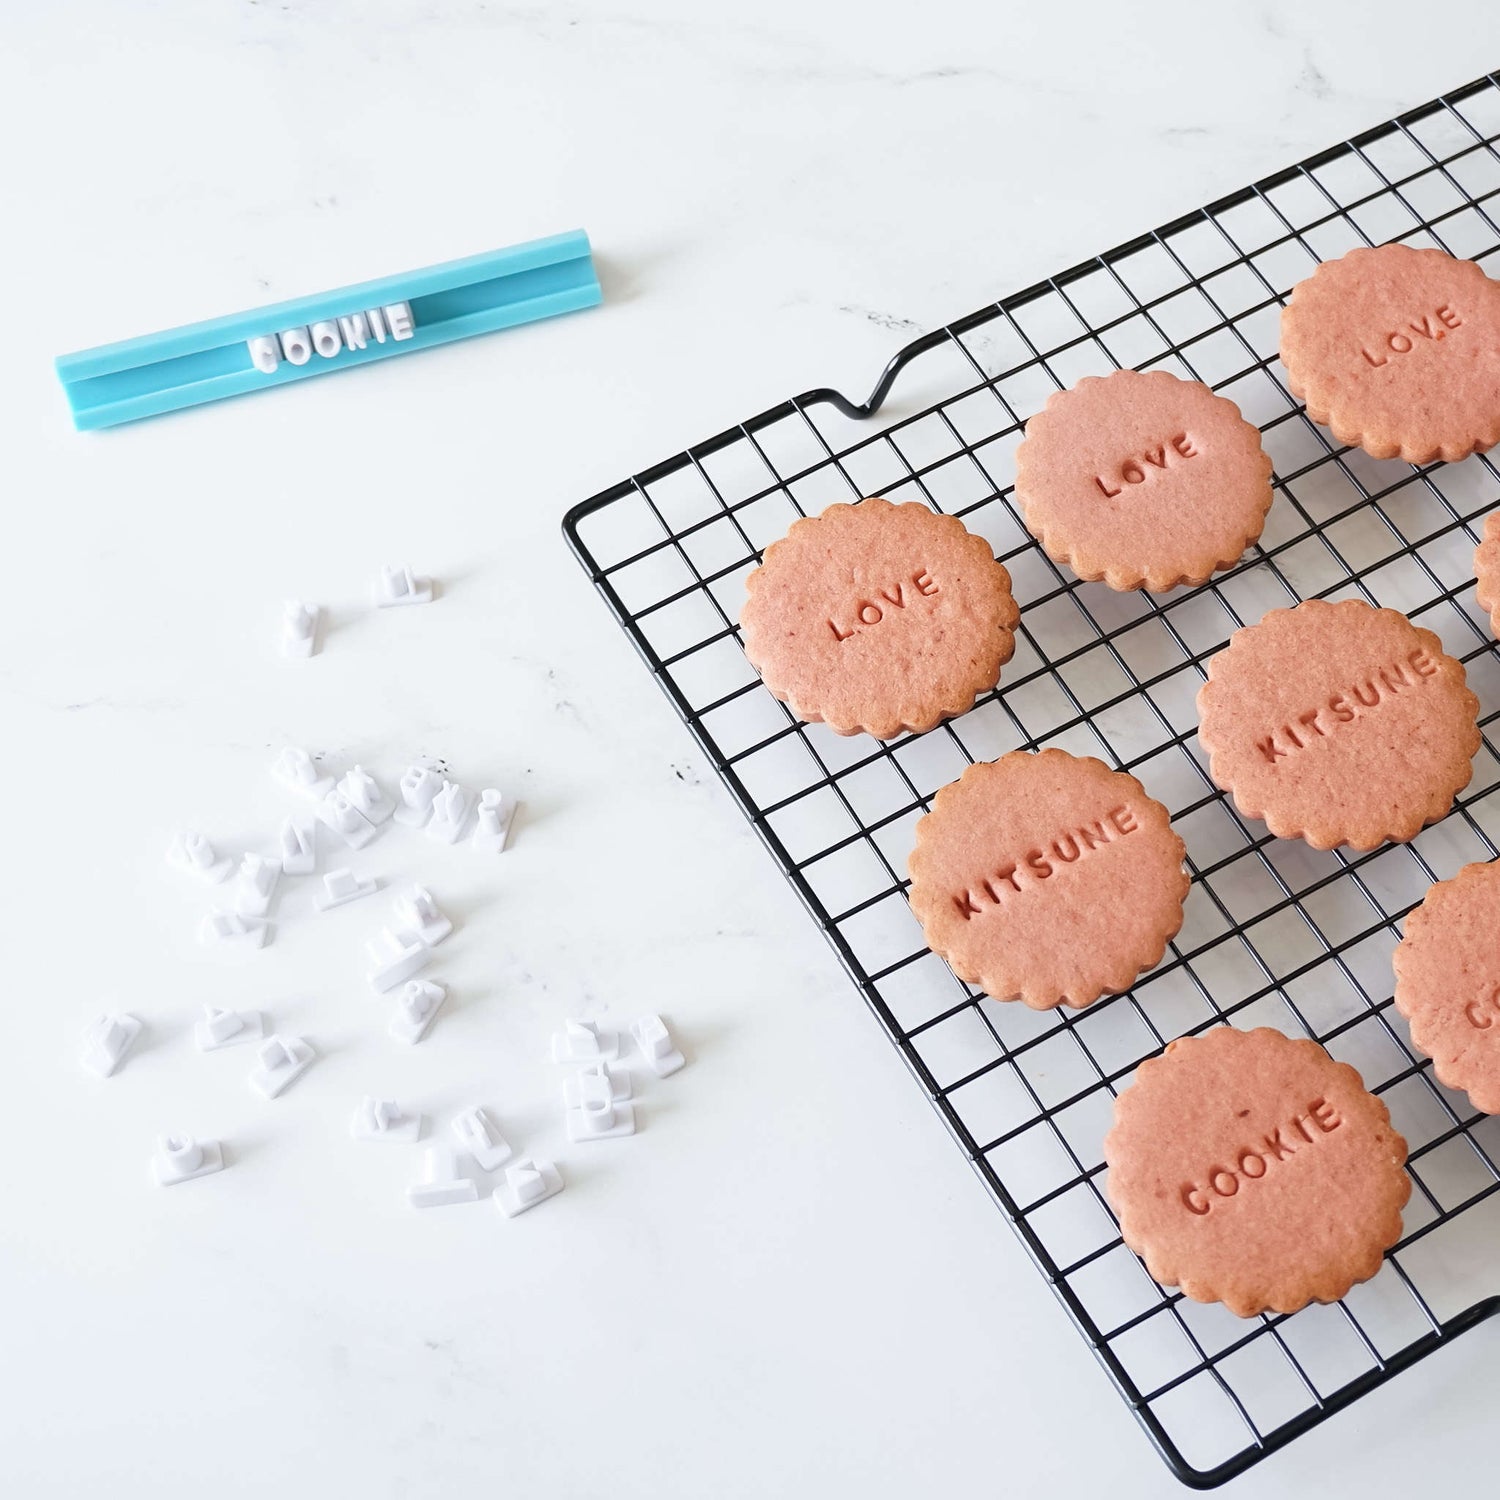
1276,933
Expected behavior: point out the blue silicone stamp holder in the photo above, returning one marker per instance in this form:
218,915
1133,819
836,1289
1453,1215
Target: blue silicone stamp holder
317,335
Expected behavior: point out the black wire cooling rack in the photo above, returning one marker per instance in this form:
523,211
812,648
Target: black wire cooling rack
1276,933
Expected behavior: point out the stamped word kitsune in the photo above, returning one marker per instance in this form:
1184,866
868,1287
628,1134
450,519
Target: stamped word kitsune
1012,877
1348,707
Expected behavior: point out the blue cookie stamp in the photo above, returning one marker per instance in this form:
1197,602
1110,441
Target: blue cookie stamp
318,335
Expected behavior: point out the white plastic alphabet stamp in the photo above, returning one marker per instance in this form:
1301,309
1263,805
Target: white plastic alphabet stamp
394,957
656,1046
193,854
278,1061
227,1028
450,813
341,886
418,786
418,915
442,1182
416,1009
299,850
396,586
180,1158
584,1042
299,628
526,1184
477,1134
296,770
385,1120
108,1041
233,931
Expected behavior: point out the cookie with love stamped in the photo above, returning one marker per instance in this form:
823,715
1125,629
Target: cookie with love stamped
1142,480
879,618
1338,724
1397,351
1047,878
1251,1169
1448,981
1487,571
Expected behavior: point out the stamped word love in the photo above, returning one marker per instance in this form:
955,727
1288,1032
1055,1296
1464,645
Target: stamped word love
868,612
1433,327
1153,460
1253,1161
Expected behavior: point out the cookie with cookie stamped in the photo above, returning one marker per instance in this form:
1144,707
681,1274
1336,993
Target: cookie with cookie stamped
1252,1169
1448,981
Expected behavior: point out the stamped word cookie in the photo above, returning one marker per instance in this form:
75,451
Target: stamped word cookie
1398,351
1142,480
1254,1170
879,618
1047,878
1448,982
1338,724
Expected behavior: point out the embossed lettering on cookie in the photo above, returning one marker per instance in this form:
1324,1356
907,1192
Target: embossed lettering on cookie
879,618
1254,1170
1448,981
1142,480
1398,351
1338,724
1047,878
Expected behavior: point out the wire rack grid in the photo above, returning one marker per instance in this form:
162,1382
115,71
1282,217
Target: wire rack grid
1275,933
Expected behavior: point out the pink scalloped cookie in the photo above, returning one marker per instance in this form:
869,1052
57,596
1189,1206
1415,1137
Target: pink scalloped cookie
1448,981
1398,352
1487,571
879,618
1338,724
1254,1170
1142,480
1047,878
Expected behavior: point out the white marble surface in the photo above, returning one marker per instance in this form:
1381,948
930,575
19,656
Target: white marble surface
789,1283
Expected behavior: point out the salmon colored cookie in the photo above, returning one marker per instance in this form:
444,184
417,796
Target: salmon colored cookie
1143,480
1448,982
1338,724
1254,1170
879,617
1487,570
1047,878
1398,351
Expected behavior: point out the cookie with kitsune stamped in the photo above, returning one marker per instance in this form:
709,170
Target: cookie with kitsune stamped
879,617
1142,480
1047,878
1338,723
